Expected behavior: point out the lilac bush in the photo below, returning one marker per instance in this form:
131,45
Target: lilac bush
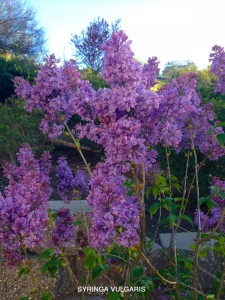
129,120
132,120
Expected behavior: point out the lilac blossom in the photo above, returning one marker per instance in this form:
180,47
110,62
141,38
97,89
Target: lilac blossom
211,219
179,100
120,68
63,234
70,186
115,216
59,92
150,72
217,67
24,207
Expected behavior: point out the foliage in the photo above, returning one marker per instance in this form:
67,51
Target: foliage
12,66
17,127
87,45
175,69
94,78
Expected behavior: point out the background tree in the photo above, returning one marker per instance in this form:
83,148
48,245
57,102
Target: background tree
174,69
87,45
12,66
19,30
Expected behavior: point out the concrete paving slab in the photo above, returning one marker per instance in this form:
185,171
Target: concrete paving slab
75,205
183,240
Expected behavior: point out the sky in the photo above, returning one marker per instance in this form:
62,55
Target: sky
172,30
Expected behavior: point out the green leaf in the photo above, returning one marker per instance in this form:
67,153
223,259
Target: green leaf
96,271
24,298
192,247
53,271
210,297
76,223
90,258
207,200
104,267
23,271
188,265
211,204
136,273
173,207
47,253
46,296
220,124
51,266
176,186
179,199
212,130
113,296
222,195
154,207
161,181
147,283
221,139
148,191
202,253
188,219
203,200
155,191
172,219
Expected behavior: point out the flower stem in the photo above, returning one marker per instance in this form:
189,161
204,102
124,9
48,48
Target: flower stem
77,144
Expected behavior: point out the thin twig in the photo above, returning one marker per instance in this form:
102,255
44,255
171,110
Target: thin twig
208,273
85,219
184,192
156,272
78,149
173,233
72,277
197,248
159,219
142,215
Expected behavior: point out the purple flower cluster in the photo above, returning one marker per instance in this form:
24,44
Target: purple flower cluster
212,218
150,72
115,216
70,186
24,207
179,99
217,67
59,92
120,68
181,117
63,234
